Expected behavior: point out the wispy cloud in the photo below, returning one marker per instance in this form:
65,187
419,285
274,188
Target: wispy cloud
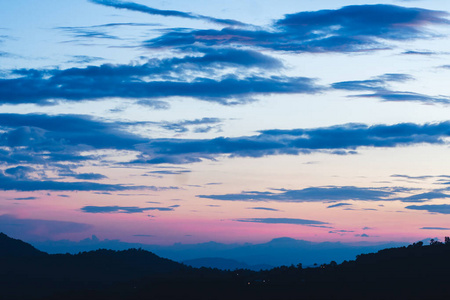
434,228
166,13
10,183
379,88
122,209
338,205
283,221
348,29
341,139
197,76
432,208
312,194
263,208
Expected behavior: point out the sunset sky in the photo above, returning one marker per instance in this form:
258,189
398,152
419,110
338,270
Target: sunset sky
171,121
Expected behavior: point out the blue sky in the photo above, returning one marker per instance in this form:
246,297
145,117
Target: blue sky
238,122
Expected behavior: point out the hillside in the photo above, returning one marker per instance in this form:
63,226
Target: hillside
27,273
413,272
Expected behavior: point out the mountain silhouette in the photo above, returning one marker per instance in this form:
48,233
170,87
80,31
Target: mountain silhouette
414,272
10,247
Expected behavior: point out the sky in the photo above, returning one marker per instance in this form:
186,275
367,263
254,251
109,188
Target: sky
162,122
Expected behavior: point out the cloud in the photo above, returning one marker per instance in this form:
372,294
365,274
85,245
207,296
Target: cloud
338,205
47,140
121,209
340,231
84,59
412,177
263,208
348,29
413,52
362,235
88,176
312,194
170,172
437,208
434,228
424,197
189,76
183,126
45,131
14,226
19,172
282,221
379,86
341,139
166,13
26,198
9,183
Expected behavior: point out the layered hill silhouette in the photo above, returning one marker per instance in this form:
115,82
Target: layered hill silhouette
414,272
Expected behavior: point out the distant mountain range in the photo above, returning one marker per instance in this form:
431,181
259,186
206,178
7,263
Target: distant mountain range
277,252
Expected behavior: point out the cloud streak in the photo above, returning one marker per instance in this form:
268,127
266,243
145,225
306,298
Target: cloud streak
190,76
437,208
341,139
291,221
348,29
122,209
312,194
379,88
165,13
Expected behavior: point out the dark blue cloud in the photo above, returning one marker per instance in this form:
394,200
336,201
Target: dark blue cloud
183,126
166,13
341,232
169,172
424,197
434,228
88,176
20,172
282,221
10,183
87,32
378,86
122,209
413,52
432,208
263,208
375,84
319,194
25,198
348,29
341,139
190,76
338,205
45,131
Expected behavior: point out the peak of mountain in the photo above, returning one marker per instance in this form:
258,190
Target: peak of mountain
10,247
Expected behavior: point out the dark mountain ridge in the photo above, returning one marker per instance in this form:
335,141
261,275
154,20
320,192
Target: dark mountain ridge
413,272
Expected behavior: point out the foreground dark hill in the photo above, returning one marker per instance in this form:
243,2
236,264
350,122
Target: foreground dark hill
10,247
27,273
413,272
